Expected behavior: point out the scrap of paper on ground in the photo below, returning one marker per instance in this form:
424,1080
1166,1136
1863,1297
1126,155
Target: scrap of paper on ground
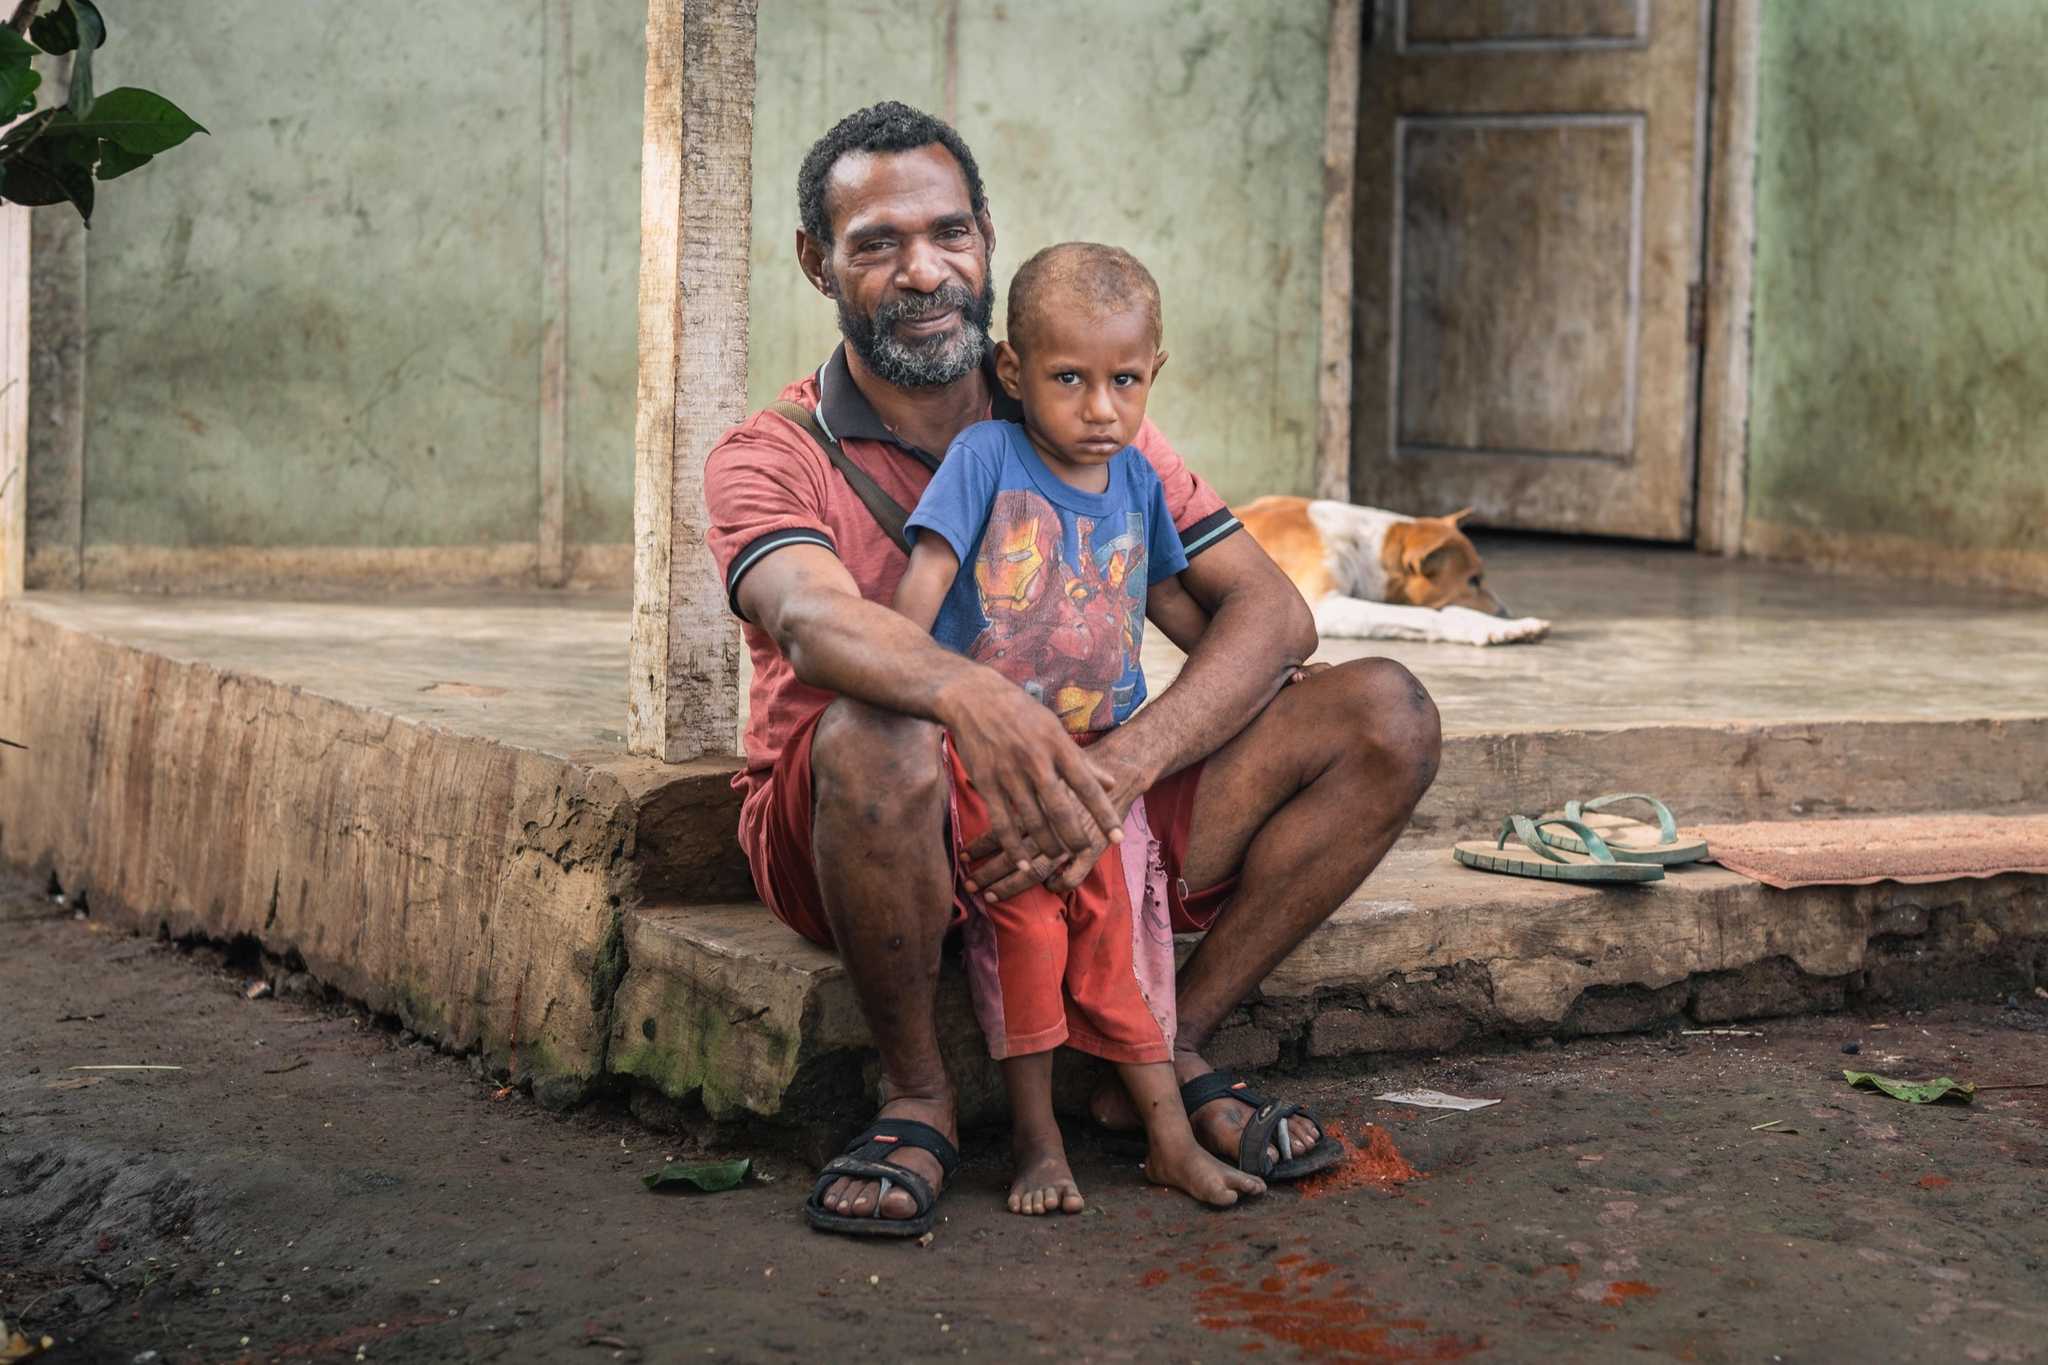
1432,1099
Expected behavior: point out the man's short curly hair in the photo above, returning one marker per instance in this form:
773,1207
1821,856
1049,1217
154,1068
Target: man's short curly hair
1080,278
886,127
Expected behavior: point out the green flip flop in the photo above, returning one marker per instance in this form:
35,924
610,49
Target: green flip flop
1589,861
1631,840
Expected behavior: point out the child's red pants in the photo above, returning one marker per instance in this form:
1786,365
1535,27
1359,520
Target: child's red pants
1092,969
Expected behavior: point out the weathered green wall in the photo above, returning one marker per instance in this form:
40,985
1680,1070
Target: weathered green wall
321,325
1900,383
1188,131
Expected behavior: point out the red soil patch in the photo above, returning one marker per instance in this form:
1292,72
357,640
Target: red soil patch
1373,1162
1931,1181
1325,1321
1620,1290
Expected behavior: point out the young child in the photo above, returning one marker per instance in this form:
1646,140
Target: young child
1039,549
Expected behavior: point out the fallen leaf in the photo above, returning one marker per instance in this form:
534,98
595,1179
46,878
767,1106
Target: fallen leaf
1913,1092
73,1083
255,990
708,1176
14,1346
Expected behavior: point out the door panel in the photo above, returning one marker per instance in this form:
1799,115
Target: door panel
1528,230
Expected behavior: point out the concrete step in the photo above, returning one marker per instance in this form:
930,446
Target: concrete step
1707,773
720,1003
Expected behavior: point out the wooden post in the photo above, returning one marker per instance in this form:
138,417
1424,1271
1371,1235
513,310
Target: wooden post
1731,249
1340,172
14,225
696,192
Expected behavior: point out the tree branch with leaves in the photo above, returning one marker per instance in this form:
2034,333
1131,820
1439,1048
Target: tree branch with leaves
54,155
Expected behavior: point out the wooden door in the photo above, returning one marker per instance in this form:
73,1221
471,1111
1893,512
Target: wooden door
1528,240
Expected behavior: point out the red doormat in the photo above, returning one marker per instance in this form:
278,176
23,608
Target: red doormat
1900,848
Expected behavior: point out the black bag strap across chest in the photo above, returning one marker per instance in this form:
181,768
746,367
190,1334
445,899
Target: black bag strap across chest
887,512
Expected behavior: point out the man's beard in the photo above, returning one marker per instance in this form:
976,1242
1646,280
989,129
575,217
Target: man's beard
925,362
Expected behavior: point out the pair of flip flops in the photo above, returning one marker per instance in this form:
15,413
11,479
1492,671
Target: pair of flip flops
1585,844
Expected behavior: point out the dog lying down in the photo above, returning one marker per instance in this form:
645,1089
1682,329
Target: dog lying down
1374,575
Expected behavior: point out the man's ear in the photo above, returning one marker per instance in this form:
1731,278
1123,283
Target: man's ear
810,257
1009,370
987,225
1158,364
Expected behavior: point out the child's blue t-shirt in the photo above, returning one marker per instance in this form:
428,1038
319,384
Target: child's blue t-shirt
1052,581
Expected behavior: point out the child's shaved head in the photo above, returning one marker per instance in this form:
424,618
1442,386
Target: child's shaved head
1084,279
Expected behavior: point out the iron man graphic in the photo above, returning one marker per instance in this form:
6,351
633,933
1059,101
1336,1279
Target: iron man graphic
1067,634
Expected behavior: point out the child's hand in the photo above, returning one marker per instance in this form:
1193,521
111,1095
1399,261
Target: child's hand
1303,673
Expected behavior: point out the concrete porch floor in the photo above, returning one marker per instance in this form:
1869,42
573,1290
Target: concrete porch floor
1642,637
426,799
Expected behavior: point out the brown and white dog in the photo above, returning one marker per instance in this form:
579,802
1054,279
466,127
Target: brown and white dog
1374,575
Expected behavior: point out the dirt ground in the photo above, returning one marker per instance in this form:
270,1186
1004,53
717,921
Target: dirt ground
311,1186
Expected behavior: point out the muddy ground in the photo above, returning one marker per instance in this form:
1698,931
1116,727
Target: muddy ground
311,1186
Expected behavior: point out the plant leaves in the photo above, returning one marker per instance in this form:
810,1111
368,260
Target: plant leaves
56,32
17,88
136,121
116,160
1913,1092
90,20
63,28
15,50
54,169
712,1177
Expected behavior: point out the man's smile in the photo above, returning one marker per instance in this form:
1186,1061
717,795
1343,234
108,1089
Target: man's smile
931,324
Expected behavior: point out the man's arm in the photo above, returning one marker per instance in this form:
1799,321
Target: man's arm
1258,634
1042,793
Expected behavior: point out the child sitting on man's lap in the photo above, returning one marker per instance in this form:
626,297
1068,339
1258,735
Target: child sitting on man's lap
1039,551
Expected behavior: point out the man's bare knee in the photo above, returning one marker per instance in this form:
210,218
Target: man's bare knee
877,769
1390,722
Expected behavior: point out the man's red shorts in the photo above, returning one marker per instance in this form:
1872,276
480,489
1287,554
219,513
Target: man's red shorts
785,876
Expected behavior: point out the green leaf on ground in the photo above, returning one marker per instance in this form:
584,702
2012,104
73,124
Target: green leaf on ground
1913,1092
137,121
708,1176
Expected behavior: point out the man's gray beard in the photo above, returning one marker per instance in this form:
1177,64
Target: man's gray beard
930,361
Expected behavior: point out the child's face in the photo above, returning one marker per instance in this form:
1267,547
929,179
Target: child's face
1083,382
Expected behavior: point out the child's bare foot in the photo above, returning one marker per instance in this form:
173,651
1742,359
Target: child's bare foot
1044,1183
1192,1171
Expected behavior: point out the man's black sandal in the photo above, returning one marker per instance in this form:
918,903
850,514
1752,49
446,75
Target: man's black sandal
862,1160
1267,1127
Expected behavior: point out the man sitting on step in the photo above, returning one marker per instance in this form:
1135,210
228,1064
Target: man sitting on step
1274,788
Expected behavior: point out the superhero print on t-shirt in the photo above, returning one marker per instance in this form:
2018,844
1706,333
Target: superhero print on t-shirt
1065,610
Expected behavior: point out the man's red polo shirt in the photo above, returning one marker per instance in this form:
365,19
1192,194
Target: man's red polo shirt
768,486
